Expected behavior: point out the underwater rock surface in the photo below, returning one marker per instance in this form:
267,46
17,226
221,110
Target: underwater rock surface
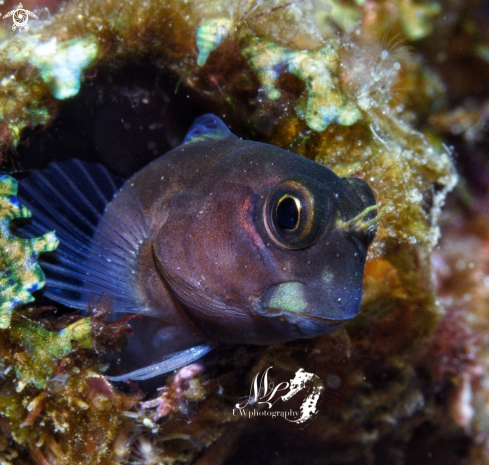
342,83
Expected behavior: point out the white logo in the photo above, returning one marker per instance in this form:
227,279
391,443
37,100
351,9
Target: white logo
263,392
20,16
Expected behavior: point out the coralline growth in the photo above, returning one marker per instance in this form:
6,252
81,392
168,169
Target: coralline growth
20,273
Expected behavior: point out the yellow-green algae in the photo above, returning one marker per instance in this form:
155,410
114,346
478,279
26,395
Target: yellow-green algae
87,33
20,274
44,349
31,66
58,407
325,103
60,64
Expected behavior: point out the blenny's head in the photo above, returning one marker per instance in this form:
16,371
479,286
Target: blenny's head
321,235
272,245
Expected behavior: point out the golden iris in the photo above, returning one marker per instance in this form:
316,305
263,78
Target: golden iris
296,212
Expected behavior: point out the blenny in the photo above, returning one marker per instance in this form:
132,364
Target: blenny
219,241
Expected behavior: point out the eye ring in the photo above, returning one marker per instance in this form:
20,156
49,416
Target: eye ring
296,212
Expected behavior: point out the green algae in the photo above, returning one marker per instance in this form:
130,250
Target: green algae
34,73
324,102
210,35
43,349
58,407
60,64
20,273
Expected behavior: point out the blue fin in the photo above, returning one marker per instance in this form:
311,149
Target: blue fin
207,127
71,197
166,364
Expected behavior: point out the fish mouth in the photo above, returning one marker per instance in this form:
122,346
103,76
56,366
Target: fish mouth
300,324
323,320
308,308
295,317
280,312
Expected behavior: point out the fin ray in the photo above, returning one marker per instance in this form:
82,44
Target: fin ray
73,198
168,363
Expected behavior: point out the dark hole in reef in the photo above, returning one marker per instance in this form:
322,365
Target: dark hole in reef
291,84
123,120
287,214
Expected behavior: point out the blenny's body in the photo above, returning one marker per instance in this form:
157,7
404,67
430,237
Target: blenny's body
219,241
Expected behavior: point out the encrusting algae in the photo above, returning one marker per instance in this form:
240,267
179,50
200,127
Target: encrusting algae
337,83
21,275
54,402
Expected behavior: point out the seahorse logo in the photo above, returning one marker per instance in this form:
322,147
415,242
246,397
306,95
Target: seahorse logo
265,392
20,16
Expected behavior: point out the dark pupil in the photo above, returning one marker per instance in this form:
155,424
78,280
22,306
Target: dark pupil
287,213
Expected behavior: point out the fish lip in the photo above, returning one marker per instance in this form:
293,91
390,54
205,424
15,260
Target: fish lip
277,312
274,312
298,323
322,319
303,325
270,310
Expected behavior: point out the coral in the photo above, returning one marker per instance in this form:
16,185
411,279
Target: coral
20,272
300,39
457,356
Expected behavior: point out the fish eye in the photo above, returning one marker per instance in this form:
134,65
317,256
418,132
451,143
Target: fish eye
296,211
288,212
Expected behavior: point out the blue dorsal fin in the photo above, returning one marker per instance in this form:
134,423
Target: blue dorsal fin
207,127
71,197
